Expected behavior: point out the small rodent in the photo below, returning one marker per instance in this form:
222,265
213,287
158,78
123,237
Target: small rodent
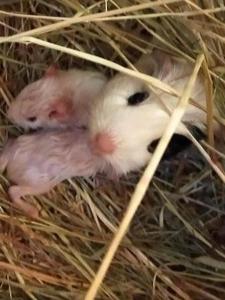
128,116
58,99
36,162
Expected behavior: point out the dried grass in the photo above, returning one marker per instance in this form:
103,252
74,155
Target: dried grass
174,247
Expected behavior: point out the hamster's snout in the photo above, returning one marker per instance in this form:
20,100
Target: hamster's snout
103,143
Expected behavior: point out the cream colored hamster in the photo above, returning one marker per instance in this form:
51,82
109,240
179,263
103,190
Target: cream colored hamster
129,116
58,99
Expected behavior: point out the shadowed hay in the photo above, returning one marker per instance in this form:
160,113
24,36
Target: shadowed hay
174,248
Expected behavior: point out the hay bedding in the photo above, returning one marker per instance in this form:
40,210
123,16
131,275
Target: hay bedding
174,248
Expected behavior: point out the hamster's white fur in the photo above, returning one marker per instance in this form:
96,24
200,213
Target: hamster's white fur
133,127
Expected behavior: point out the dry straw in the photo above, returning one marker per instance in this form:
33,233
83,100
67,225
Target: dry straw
170,242
145,180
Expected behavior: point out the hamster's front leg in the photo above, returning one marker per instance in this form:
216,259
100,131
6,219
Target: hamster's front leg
16,192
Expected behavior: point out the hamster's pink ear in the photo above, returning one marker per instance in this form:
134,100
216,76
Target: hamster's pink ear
61,109
51,70
146,64
164,62
157,63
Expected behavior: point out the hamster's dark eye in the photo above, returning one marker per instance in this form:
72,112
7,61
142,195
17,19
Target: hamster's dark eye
137,98
32,119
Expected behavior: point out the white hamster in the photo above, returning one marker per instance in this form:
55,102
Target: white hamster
129,116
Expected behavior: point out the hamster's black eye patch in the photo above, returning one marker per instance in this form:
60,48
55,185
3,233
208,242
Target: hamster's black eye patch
32,119
137,98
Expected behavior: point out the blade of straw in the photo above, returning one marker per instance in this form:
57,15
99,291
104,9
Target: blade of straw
96,59
144,181
87,18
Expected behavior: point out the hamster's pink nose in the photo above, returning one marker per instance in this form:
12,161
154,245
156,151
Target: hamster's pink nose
103,144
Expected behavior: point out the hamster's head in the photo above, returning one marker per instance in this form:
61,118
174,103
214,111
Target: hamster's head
129,116
124,122
58,99
43,103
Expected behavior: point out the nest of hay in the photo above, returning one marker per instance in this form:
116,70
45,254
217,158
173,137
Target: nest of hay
174,248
